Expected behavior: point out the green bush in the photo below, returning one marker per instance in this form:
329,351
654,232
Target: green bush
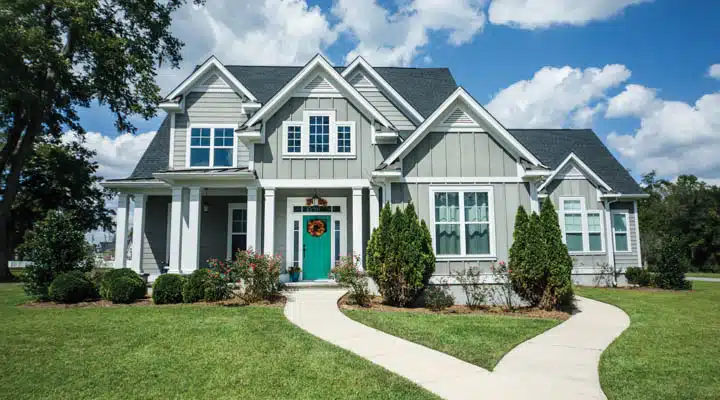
95,276
114,274
438,298
347,272
400,256
126,290
527,271
205,285
216,288
168,289
55,245
558,291
70,287
639,276
671,266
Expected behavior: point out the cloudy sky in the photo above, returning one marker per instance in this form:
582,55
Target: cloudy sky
644,74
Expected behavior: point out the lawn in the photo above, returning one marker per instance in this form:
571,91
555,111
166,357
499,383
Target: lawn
703,275
670,350
479,339
177,352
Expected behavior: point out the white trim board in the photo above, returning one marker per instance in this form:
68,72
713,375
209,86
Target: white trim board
314,183
584,169
199,73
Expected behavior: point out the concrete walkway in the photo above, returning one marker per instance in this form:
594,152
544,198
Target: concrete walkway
697,278
558,364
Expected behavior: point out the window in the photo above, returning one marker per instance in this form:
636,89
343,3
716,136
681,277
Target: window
620,231
462,221
337,241
582,229
211,147
237,229
319,135
296,243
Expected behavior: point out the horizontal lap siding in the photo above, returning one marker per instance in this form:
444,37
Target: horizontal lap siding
507,198
388,109
269,161
155,237
459,154
628,259
208,108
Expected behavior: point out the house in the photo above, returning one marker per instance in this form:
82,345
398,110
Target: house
297,161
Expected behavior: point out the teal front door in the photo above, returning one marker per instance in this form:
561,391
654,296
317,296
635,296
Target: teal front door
316,247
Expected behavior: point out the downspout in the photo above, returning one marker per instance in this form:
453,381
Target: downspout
610,239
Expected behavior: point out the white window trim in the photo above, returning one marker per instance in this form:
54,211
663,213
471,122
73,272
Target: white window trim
212,145
305,136
626,232
491,221
584,221
231,208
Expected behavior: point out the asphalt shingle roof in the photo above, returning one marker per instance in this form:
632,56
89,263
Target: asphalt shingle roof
155,158
552,146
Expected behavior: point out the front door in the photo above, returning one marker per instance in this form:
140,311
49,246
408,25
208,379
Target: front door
316,247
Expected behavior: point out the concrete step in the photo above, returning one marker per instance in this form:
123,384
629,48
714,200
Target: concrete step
320,284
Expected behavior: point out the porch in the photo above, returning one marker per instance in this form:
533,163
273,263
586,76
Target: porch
184,226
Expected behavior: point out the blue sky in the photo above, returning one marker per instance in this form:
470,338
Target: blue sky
664,49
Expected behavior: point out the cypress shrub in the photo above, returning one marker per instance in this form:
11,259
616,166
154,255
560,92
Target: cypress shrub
168,289
516,255
558,291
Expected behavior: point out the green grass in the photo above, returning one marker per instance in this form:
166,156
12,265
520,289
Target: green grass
671,349
703,275
478,339
192,352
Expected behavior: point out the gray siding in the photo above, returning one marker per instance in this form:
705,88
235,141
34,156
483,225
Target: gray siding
207,108
628,259
155,235
453,154
214,227
269,161
507,198
388,109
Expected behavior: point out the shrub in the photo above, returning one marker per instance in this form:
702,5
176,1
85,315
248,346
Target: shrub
473,286
55,245
672,265
502,290
112,275
348,274
217,287
258,273
558,291
194,286
526,269
70,287
168,289
438,298
125,289
400,255
95,276
638,276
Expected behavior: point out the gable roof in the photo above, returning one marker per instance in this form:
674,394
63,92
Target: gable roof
424,88
199,72
553,146
586,171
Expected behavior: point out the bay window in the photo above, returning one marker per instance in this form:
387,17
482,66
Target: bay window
582,229
211,147
318,135
462,221
620,231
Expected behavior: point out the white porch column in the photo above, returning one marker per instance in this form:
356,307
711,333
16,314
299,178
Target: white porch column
176,230
121,230
357,208
138,233
269,247
191,246
374,208
252,216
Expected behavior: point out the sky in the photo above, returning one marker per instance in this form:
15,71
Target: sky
643,74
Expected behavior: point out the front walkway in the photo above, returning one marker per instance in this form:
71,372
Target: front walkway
701,279
558,364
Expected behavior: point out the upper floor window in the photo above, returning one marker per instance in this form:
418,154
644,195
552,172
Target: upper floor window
211,147
582,228
319,134
462,219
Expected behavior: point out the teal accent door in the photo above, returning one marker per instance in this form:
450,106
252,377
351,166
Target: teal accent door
316,247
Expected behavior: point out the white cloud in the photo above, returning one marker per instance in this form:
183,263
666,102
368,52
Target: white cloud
675,138
537,14
714,71
635,100
385,37
116,156
557,97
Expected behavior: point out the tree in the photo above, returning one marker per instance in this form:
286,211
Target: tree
516,254
559,291
42,189
61,55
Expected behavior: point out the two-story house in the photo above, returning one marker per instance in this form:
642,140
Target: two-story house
297,161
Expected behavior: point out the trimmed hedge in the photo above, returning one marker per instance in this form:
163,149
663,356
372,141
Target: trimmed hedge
168,289
126,290
70,287
205,285
438,298
111,276
638,276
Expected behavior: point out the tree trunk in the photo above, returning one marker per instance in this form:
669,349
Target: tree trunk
5,275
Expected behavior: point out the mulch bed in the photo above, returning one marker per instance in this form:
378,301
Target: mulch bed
277,302
523,312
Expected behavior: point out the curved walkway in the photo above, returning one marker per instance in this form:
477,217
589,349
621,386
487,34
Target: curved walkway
701,279
560,363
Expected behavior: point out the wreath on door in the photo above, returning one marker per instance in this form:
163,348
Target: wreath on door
316,227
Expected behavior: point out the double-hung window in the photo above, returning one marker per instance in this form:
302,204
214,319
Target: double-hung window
462,219
237,228
620,231
582,228
211,147
319,135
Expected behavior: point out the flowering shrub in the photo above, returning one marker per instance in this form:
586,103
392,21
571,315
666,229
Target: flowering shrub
257,274
503,289
472,282
347,273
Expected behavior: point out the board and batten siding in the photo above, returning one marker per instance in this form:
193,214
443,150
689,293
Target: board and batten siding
459,154
208,108
507,198
269,160
628,259
155,235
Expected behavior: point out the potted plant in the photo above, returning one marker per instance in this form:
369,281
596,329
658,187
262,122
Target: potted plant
294,273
